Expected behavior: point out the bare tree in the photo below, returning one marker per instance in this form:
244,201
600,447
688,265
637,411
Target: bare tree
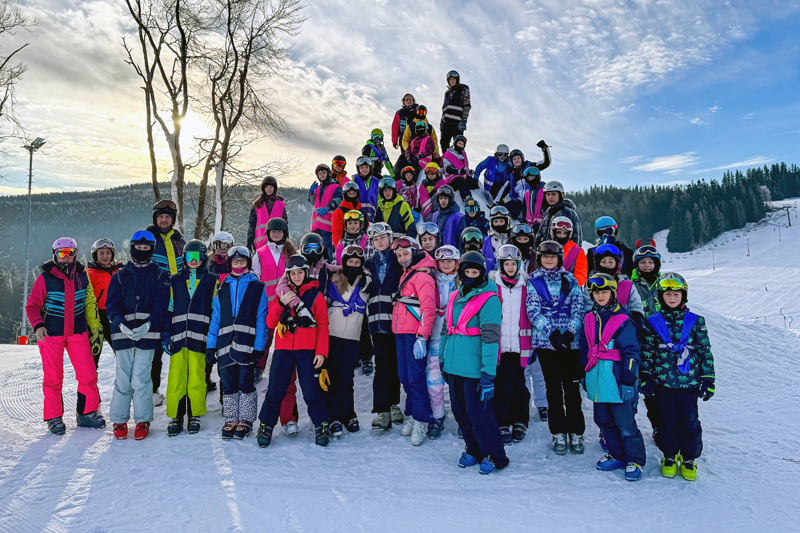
12,19
236,75
167,29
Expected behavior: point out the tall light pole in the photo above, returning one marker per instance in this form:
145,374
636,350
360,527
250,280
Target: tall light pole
37,143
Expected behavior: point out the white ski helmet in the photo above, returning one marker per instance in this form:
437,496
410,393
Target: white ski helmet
561,223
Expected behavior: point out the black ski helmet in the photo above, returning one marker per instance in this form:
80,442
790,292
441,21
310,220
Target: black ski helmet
550,248
453,74
472,260
195,245
278,224
269,180
312,247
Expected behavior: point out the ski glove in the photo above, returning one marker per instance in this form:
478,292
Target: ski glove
211,355
324,380
257,355
647,386
462,126
139,333
167,348
486,387
706,389
627,393
420,348
555,339
541,144
96,342
322,211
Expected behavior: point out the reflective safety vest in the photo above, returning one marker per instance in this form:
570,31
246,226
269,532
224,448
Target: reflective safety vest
270,271
262,217
323,222
472,308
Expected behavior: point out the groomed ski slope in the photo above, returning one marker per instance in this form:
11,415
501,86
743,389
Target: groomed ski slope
748,479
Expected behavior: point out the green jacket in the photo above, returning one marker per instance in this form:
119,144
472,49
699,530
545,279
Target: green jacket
469,355
648,293
662,363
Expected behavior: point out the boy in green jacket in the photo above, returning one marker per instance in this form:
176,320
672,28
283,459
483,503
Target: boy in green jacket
469,350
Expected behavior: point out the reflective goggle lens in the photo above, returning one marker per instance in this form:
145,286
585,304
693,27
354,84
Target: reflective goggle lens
222,245
62,253
312,248
671,285
445,253
607,248
352,215
472,237
193,256
563,224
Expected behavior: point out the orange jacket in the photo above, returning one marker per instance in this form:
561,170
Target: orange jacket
337,221
313,338
580,270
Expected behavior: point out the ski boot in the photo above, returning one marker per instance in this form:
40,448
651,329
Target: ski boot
669,466
408,427
194,425
608,463
397,415
353,426
518,432
688,469
56,426
487,466
367,367
543,414
228,429
158,399
576,444
419,433
435,428
382,422
291,428
242,430
264,436
560,443
467,460
505,436
141,431
175,427
120,431
92,420
322,434
211,386
336,429
633,472
603,443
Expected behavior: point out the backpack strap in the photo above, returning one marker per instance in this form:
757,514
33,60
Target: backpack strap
571,258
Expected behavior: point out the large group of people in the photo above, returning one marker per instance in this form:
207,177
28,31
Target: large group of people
403,276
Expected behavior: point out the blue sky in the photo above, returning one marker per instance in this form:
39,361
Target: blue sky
641,91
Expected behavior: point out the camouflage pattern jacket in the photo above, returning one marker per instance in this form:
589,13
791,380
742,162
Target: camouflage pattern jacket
661,363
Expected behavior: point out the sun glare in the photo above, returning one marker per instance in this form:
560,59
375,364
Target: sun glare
193,128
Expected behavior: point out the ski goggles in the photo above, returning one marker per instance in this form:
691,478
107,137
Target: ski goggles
405,242
166,204
447,252
472,208
311,248
472,236
63,253
671,285
562,224
192,256
601,283
607,249
104,243
522,230
354,251
378,229
338,163
354,214
296,262
549,248
608,230
222,245
422,112
428,228
377,138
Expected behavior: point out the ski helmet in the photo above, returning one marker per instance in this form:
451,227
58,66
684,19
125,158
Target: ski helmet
607,250
432,168
326,168
404,241
508,252
532,176
554,186
499,212
672,281
387,183
363,160
380,228
601,282
238,252
339,160
103,243
446,191
454,74
65,243
605,225
164,207
349,187
195,250
355,214
297,262
312,247
420,128
222,237
550,248
459,138
353,251
471,236
408,169
514,153
269,180
472,260
647,251
561,223
518,231
471,206
278,224
428,228
142,237
422,111
501,152
448,251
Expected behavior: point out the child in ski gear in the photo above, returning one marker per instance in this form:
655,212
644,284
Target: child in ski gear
611,355
427,191
456,167
448,217
393,210
421,150
367,186
100,270
512,400
347,292
561,229
533,197
521,236
268,205
355,234
376,151
447,258
411,134
168,255
469,349
428,237
236,339
412,321
474,216
500,223
555,309
677,369
338,166
402,119
407,188
518,182
608,260
472,240
62,312
138,297
221,242
350,201
606,229
385,272
190,307
326,198
301,346
455,109
497,166
558,206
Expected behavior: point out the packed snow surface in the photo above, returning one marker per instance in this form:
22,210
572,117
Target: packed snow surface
749,474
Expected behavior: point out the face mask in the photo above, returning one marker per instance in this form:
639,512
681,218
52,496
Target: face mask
503,228
470,283
649,277
141,256
562,240
351,272
524,247
238,271
605,270
313,258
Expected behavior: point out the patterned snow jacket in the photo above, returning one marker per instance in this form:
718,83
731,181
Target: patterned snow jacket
564,311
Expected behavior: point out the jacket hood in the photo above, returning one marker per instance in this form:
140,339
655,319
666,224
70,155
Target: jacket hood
424,260
113,266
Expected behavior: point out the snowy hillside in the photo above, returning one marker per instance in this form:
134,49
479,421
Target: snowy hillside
748,474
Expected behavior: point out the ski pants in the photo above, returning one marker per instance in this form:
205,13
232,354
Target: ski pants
284,363
446,133
132,382
433,375
512,400
186,381
327,240
80,355
618,423
534,380
561,377
412,375
289,404
239,398
651,406
679,429
155,371
476,420
341,364
386,383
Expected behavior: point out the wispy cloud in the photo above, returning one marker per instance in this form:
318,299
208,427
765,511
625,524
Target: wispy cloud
752,162
669,164
748,116
714,108
696,121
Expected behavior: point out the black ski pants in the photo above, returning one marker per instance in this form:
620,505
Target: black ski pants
512,398
476,420
561,380
679,429
386,383
341,363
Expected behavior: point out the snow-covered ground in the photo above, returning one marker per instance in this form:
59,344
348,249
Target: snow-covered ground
749,474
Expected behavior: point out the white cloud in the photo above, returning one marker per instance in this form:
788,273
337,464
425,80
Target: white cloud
752,162
669,164
748,116
714,108
696,121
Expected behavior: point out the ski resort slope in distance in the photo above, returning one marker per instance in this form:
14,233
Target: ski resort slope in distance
749,473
